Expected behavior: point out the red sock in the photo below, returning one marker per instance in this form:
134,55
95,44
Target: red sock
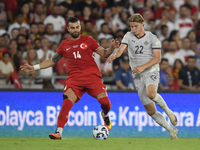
105,104
62,117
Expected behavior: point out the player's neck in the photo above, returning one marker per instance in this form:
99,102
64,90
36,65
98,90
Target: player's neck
74,39
140,34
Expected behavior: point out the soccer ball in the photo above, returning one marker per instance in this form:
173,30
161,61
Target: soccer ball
100,132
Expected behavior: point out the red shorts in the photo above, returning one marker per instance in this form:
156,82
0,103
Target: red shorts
91,84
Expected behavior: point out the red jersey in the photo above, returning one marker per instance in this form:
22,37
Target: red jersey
79,54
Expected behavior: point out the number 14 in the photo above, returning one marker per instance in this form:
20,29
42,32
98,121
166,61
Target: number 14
77,55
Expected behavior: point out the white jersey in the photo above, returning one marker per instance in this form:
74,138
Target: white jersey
140,50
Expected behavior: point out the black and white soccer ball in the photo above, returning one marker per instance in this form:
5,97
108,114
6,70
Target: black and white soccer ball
100,132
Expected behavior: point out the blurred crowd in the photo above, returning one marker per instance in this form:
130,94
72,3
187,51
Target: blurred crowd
31,31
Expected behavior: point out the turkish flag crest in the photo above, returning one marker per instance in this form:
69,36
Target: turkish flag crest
83,46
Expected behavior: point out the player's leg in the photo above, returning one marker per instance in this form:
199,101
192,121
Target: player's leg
105,105
69,98
150,107
97,89
151,91
159,119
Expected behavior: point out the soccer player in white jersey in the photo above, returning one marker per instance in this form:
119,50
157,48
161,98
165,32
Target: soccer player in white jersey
144,50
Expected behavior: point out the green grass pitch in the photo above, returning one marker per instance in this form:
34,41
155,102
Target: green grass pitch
44,143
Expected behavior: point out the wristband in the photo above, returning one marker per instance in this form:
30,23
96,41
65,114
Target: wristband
36,67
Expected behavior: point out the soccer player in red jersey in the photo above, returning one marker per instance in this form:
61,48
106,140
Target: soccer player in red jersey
84,75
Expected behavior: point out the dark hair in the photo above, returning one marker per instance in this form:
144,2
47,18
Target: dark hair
86,21
186,6
165,40
1,36
37,39
39,3
40,23
102,40
163,59
19,12
72,20
103,24
164,26
34,23
6,52
14,29
3,23
179,61
172,34
6,34
191,57
15,41
21,35
48,24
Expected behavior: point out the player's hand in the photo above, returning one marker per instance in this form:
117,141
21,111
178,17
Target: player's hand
112,57
115,43
138,69
27,68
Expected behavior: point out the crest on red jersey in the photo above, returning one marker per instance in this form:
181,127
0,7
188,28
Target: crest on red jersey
83,46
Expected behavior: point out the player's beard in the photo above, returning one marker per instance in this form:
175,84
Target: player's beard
75,34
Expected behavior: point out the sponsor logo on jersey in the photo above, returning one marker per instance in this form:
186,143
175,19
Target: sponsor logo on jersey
67,49
75,46
83,46
133,41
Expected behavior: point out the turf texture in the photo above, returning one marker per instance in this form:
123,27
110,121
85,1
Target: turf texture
43,143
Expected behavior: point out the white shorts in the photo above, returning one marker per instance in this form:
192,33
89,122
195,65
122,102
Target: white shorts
142,81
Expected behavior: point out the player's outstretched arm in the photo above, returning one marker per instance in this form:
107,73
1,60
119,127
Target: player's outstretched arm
118,53
30,69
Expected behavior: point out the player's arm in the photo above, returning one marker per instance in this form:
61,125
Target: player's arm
105,53
156,59
118,53
45,64
183,86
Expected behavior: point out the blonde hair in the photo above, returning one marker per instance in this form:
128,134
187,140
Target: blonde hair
136,18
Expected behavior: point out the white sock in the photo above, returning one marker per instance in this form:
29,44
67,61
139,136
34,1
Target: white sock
159,119
60,130
161,103
104,114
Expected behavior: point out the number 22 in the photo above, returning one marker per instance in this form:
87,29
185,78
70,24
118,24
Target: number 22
137,49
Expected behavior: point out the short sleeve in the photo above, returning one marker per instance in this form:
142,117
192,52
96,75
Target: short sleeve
93,43
60,49
117,75
156,44
125,39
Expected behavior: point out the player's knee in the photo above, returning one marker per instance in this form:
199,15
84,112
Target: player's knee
151,112
65,96
151,94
